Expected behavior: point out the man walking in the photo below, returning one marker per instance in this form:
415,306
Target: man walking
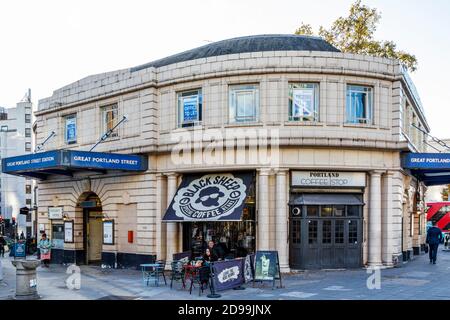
434,237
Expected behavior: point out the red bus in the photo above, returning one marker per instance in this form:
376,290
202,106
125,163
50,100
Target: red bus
439,212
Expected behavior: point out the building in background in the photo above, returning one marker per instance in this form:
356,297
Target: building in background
16,192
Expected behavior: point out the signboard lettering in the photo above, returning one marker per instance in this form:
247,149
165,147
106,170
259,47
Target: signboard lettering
328,179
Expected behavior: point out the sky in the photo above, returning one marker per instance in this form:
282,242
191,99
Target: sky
47,44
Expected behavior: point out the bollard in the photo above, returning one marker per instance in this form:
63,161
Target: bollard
26,280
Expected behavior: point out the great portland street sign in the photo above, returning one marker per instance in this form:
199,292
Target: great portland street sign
40,164
427,161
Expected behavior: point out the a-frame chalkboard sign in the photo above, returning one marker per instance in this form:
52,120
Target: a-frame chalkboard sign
267,267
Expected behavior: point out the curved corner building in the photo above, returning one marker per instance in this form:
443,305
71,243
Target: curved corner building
270,142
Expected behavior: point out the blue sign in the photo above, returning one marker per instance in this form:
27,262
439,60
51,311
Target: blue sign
228,274
70,159
31,161
190,108
19,250
71,129
98,160
427,161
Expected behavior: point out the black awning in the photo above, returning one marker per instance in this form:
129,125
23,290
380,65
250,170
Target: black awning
210,197
326,199
67,162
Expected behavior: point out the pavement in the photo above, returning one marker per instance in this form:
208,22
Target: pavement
414,280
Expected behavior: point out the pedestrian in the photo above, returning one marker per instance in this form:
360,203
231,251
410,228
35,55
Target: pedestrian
45,250
446,240
22,236
434,237
2,246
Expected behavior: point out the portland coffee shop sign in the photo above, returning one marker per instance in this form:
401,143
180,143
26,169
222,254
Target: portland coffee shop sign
328,179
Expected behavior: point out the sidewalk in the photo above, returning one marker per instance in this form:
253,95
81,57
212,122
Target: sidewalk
414,280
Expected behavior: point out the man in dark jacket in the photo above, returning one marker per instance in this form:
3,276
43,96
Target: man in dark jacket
434,237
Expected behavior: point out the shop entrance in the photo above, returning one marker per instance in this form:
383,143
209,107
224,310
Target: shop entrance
92,228
325,236
237,238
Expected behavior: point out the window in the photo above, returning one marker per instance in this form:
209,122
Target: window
28,202
339,231
359,104
296,231
303,101
189,108
352,232
27,146
4,128
110,115
326,231
28,189
70,129
244,103
312,231
27,118
312,211
27,133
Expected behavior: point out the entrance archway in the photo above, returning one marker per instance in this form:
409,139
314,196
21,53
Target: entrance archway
90,204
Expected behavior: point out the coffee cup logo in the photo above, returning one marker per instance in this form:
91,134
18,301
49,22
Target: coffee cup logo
211,197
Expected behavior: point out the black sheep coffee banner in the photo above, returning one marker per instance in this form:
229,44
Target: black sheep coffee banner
228,274
210,197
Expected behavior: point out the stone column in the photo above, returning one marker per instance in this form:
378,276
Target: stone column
387,218
160,210
171,227
263,209
281,220
375,236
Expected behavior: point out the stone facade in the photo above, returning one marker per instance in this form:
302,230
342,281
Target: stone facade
149,99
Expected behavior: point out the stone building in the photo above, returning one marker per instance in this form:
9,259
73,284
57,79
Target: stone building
271,142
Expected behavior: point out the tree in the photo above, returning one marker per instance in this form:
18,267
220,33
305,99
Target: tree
355,34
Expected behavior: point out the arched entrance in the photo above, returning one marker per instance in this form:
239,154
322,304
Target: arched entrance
91,206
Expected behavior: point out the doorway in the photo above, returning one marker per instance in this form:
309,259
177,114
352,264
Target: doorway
92,229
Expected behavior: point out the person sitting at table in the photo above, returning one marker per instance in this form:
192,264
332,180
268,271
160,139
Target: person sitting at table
216,250
209,257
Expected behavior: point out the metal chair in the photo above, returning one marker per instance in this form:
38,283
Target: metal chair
154,272
201,277
177,273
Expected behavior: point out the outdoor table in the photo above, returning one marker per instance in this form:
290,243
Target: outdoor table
152,270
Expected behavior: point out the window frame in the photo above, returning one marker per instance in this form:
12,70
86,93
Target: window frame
233,107
67,117
27,132
303,86
181,97
28,149
104,125
27,117
368,106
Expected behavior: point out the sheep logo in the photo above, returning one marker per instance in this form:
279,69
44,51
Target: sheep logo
211,197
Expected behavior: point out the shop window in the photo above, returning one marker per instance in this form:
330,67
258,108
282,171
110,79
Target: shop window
110,115
70,129
339,211
27,146
27,132
243,103
326,211
353,211
296,231
189,108
359,104
312,211
312,231
58,236
303,101
339,231
326,231
352,232
27,118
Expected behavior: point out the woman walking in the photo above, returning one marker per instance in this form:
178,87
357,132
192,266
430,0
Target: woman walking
45,249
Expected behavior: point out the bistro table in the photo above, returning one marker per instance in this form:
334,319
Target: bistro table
153,270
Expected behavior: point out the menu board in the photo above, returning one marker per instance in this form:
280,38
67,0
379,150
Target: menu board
68,231
108,232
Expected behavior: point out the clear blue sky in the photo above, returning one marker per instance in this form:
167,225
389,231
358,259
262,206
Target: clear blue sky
47,44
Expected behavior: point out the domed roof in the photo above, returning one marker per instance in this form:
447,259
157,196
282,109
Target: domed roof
258,43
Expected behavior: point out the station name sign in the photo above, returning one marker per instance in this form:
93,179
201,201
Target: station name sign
328,179
427,161
68,159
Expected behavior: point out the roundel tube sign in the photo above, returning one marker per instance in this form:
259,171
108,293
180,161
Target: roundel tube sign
210,197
